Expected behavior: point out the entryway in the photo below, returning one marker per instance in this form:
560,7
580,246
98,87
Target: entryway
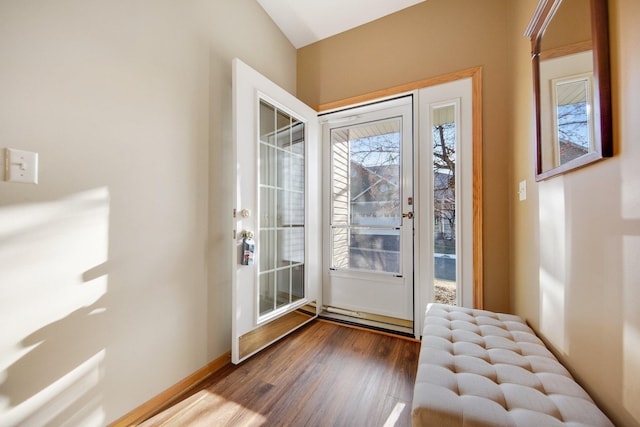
364,224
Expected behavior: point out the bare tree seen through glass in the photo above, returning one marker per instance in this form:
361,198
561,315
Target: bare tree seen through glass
366,196
573,131
444,186
444,208
572,119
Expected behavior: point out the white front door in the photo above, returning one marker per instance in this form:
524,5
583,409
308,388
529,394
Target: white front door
368,251
276,274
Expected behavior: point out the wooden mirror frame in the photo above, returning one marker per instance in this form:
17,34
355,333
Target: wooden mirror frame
602,85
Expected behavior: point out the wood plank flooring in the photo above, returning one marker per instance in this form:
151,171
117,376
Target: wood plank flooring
324,374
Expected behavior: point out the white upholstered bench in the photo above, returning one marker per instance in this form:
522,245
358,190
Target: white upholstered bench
479,368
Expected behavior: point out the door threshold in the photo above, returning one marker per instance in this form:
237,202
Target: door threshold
404,329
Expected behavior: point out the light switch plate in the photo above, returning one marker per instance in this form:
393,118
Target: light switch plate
21,166
522,191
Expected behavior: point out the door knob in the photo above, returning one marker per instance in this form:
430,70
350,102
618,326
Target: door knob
408,215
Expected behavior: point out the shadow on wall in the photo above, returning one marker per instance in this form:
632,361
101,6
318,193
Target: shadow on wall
54,311
589,247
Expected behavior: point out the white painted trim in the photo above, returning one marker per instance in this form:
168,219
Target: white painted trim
459,93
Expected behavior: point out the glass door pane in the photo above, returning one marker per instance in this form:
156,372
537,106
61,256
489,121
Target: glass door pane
282,210
444,204
366,196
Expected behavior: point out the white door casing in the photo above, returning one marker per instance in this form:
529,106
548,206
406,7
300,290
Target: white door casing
457,93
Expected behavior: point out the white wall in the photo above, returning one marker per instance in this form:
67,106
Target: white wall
114,273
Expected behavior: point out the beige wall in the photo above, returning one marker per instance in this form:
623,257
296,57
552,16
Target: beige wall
571,24
575,241
114,269
431,39
114,276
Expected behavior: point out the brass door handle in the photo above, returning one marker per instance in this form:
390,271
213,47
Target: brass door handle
408,215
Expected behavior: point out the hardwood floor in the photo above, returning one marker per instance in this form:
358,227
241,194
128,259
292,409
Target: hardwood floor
324,374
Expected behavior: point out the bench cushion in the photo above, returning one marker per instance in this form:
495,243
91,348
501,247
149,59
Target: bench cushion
479,368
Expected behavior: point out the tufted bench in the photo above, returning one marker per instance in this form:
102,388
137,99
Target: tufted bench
479,368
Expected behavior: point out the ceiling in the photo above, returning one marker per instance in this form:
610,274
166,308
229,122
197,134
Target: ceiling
307,21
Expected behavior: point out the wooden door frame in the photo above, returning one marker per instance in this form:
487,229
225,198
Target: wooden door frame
475,74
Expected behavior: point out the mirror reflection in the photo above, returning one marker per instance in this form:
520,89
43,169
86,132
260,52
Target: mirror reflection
574,126
571,81
567,126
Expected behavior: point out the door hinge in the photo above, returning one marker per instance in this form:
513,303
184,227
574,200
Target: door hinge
234,212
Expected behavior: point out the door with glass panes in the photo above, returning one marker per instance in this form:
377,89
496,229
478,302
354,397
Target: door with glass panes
369,231
276,235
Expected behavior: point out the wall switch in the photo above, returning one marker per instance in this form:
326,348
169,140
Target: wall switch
522,190
21,166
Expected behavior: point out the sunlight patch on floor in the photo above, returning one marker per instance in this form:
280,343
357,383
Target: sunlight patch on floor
208,409
395,415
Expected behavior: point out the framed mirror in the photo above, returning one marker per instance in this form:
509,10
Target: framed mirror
571,82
